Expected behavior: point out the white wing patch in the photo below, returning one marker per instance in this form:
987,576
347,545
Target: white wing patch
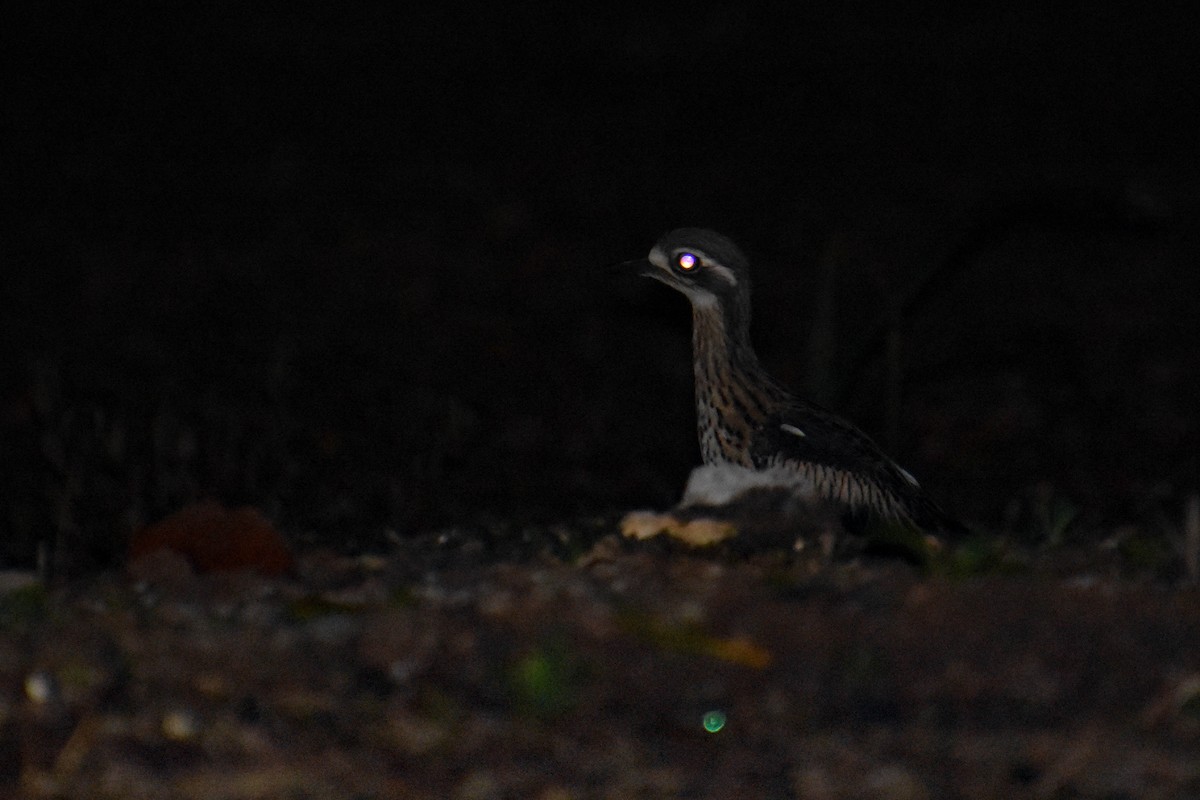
906,475
792,429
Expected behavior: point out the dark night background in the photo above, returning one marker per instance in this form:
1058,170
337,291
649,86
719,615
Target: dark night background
352,265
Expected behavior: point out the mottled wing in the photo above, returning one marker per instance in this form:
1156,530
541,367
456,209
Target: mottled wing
845,465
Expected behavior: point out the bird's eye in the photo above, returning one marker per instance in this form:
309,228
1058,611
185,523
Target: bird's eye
686,262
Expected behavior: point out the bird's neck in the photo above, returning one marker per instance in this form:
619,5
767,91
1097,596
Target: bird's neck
721,343
734,395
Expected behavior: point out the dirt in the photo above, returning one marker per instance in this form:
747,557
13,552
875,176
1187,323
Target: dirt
436,670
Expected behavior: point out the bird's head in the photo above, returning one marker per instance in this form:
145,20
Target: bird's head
704,265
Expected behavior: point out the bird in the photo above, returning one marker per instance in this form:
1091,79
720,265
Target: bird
746,419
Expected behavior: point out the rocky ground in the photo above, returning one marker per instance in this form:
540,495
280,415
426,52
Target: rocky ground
597,667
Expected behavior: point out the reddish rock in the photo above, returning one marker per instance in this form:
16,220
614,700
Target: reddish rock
214,538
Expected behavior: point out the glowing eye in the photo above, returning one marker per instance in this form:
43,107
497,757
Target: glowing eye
686,261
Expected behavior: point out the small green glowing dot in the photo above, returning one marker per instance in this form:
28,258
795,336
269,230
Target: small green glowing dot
714,721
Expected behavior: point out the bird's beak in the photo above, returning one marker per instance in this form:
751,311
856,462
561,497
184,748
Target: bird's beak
639,266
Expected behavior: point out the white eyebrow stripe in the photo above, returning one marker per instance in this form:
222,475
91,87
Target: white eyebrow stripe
659,258
792,429
714,266
724,272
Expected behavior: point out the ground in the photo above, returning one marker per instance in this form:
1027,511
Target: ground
601,667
